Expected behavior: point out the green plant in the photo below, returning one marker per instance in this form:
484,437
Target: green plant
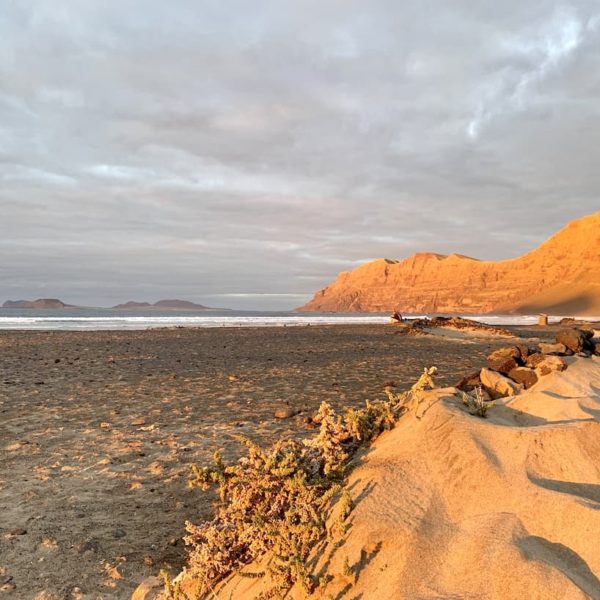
274,503
477,404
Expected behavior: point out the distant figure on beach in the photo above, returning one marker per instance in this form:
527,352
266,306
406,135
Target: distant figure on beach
396,317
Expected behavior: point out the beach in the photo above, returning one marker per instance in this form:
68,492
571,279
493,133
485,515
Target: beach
98,432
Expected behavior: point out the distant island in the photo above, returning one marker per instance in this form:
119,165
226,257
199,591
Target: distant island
165,305
52,303
55,303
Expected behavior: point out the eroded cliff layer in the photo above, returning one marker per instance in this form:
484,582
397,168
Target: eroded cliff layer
562,276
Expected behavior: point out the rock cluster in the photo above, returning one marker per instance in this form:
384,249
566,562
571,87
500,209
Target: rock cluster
421,326
511,369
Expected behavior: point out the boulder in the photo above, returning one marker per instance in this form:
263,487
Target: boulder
523,375
497,385
550,364
504,360
470,382
502,365
534,359
506,351
524,351
573,339
552,348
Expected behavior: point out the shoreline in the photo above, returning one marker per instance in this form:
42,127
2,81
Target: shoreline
147,323
99,431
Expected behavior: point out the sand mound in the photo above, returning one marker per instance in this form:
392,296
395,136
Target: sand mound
453,506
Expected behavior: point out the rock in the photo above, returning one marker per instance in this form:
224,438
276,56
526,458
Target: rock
597,348
16,532
502,365
309,423
550,364
584,354
138,422
5,579
498,385
119,533
285,413
7,587
88,546
504,360
525,351
533,360
525,376
470,382
552,348
573,339
506,351
149,589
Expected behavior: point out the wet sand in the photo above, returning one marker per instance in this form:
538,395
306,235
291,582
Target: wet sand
98,431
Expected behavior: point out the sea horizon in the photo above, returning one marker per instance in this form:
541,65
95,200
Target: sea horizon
103,319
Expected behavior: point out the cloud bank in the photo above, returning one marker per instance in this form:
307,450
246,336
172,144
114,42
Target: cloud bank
241,154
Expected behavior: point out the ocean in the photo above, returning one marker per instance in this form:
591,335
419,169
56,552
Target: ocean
111,319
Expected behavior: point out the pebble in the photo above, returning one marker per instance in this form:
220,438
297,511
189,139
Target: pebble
285,413
5,579
90,546
309,423
119,533
7,587
17,531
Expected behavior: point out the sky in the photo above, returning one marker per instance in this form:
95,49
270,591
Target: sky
241,154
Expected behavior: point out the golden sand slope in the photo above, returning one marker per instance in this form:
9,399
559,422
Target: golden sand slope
562,276
453,506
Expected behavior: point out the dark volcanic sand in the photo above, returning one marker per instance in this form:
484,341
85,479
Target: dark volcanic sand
98,430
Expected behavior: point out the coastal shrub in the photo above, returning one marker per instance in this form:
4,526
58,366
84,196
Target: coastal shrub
477,404
274,503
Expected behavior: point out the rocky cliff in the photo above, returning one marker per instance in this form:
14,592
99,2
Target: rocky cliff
562,276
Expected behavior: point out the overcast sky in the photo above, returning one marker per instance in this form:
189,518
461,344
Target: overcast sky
243,153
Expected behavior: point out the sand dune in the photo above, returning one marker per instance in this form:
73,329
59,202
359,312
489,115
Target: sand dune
454,506
560,277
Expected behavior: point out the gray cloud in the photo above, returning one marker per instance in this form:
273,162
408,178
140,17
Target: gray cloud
244,153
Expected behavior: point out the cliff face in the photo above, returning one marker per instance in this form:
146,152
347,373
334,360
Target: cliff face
562,276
